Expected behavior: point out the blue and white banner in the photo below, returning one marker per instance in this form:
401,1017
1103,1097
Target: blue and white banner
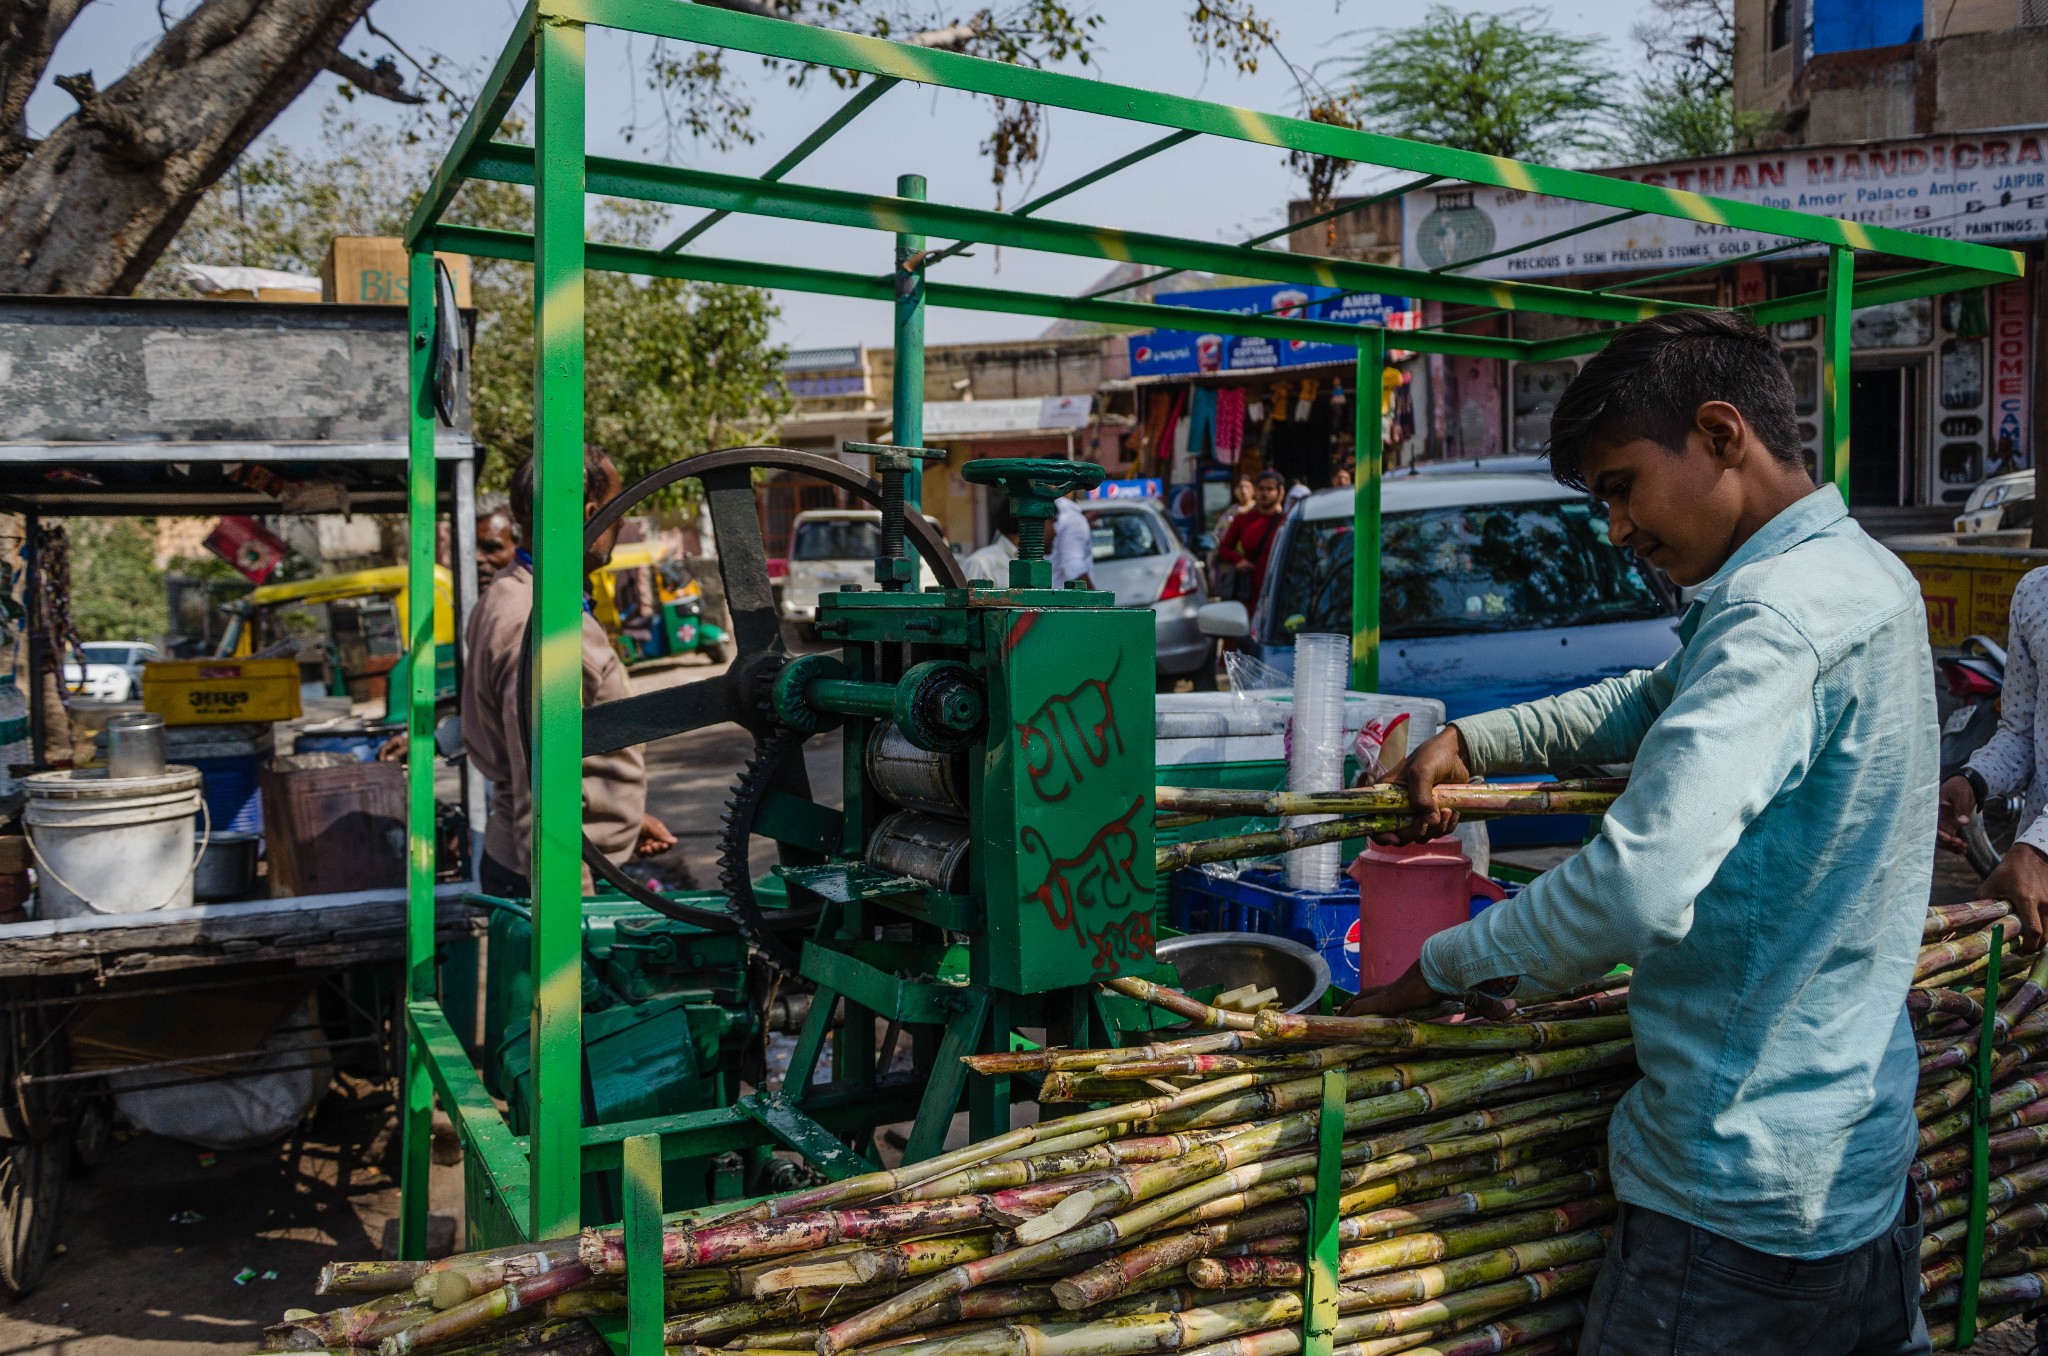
1188,352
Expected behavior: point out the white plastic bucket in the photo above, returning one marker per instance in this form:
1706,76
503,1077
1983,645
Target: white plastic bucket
112,845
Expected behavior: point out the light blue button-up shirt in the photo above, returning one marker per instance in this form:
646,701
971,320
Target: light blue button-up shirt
1765,873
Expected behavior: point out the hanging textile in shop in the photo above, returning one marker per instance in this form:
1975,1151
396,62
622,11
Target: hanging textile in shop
1229,424
1201,421
1176,352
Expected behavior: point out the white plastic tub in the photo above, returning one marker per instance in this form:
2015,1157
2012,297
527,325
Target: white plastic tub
112,845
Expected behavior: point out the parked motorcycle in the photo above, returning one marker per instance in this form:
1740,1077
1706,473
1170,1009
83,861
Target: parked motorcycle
1975,679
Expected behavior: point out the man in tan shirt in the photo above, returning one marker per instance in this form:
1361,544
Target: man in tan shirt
614,784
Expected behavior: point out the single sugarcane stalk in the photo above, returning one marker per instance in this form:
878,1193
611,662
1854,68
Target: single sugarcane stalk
1107,1280
1377,1078
1958,978
727,1318
1138,1334
1548,1331
1397,1033
1942,1336
1180,1005
1940,956
894,1262
1945,1002
1420,1283
1464,1305
1051,1058
1205,1066
1601,1004
1048,1167
1142,1182
1419,1249
367,1278
1933,1189
1386,798
682,1248
1269,842
1403,1219
2028,996
1956,917
456,1280
868,1186
345,1327
573,1338
2028,1288
522,1292
2016,1260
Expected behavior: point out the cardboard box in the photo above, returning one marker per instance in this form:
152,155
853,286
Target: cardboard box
371,270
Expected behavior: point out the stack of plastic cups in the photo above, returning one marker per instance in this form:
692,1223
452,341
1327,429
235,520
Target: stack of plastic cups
1315,758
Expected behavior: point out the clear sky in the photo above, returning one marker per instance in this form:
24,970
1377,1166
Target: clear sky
1207,189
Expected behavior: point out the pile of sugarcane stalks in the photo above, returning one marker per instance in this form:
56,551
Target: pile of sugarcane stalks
1980,1159
1194,1196
1359,811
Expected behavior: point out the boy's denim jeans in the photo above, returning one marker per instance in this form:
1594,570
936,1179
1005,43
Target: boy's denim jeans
1673,1289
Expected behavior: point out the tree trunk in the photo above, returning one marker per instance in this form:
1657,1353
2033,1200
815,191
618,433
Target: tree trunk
98,201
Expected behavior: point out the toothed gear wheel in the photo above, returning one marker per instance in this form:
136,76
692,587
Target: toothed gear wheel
741,695
765,932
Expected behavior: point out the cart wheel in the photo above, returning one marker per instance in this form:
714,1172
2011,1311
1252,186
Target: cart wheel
720,652
31,1193
92,1134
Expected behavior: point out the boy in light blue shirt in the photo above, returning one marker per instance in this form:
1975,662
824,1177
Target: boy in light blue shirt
1765,873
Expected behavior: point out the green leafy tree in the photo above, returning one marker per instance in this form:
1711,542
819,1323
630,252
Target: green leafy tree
117,592
1684,106
673,367
1503,84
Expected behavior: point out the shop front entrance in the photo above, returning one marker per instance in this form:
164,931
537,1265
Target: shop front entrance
1883,421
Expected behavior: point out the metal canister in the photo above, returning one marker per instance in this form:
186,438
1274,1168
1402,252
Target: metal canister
135,745
917,778
923,847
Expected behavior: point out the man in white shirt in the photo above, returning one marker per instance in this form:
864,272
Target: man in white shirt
1073,546
992,562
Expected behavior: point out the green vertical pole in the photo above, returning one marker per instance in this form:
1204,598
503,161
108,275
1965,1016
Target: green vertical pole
557,731
907,390
1834,455
1319,1319
1980,1147
641,1155
418,1122
1365,516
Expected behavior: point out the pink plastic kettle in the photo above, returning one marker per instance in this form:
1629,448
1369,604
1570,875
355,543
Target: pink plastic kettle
1407,895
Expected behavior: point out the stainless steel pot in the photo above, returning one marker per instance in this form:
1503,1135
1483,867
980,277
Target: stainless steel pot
227,868
1230,959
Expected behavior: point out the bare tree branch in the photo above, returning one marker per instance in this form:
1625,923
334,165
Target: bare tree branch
382,79
29,30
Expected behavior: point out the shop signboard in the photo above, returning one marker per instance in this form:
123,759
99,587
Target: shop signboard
1031,414
1985,187
1163,353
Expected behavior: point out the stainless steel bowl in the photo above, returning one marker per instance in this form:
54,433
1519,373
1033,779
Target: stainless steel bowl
1234,958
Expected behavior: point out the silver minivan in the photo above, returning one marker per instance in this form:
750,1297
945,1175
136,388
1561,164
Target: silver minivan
1140,558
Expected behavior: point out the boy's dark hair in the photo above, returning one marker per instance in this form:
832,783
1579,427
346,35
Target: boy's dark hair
597,469
1653,376
1270,474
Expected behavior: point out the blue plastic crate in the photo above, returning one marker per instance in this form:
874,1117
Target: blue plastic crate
1261,901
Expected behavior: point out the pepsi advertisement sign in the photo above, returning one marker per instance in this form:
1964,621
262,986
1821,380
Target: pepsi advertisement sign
1164,353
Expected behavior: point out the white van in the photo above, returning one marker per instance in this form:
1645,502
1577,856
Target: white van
829,548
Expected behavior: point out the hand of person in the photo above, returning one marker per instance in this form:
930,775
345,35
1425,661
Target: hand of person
2021,880
393,749
1441,760
1409,992
655,838
1958,803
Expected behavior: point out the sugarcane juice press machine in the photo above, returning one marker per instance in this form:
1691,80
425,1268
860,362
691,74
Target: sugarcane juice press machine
991,860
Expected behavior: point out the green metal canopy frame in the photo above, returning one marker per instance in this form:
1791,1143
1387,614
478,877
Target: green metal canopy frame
536,1179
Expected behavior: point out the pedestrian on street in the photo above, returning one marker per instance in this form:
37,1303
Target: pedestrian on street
1765,872
1248,543
614,784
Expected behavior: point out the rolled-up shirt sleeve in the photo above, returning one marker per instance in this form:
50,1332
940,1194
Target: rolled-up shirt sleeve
1738,727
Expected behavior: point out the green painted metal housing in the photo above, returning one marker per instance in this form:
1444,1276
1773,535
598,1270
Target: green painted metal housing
533,1180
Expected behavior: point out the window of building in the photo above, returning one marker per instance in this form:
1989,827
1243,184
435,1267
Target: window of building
1781,23
1896,324
1537,388
1803,366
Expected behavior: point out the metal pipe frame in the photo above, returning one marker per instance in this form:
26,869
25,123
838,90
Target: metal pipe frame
536,1179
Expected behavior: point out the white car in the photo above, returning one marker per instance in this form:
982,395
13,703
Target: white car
830,548
1997,504
112,672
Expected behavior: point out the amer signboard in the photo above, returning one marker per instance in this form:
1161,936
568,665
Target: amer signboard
1988,188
